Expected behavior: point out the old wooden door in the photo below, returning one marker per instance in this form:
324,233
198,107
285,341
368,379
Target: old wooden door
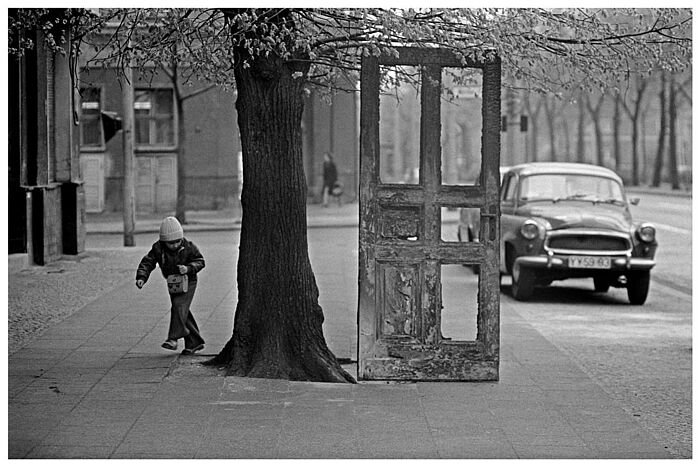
156,184
401,250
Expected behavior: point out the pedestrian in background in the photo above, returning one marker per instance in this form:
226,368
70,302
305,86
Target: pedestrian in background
179,261
330,177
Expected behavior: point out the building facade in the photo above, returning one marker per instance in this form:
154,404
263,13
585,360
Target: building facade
212,147
46,210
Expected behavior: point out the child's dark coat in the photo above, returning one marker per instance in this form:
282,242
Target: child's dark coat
187,254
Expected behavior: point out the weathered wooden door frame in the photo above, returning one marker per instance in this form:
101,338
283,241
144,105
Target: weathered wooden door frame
400,235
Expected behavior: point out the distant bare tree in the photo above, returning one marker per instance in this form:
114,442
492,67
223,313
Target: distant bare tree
552,110
672,137
634,112
663,128
533,112
594,107
581,129
617,130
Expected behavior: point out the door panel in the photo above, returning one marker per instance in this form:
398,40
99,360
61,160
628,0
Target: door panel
145,180
156,184
91,166
166,183
401,251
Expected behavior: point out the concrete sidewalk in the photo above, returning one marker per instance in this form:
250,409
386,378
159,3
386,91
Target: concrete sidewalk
97,385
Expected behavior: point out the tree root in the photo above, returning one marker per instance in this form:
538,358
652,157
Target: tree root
319,371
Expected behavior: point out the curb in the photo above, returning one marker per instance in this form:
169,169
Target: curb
653,191
208,228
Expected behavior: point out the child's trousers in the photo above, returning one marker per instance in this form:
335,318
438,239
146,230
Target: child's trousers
182,323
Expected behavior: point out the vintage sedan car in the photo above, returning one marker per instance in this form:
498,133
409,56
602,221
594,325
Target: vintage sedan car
569,220
469,220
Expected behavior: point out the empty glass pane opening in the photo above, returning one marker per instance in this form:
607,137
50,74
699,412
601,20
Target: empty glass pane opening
460,115
399,125
460,291
460,224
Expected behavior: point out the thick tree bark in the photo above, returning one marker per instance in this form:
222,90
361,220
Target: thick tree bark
278,322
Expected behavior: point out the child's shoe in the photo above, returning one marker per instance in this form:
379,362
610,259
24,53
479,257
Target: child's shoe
192,350
169,344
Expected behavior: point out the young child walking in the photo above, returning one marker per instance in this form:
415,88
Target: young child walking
179,261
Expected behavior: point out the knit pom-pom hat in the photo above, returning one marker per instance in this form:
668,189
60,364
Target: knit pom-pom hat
170,229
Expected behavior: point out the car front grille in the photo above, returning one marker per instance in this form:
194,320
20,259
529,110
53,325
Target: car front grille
587,243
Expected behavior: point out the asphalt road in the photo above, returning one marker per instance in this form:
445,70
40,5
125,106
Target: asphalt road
672,217
640,355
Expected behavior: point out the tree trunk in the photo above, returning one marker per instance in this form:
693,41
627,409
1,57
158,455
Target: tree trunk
581,130
534,135
661,149
635,152
277,329
616,131
180,205
129,188
533,127
567,140
549,112
672,139
594,110
634,115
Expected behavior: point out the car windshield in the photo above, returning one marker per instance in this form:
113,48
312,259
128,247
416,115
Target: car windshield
558,187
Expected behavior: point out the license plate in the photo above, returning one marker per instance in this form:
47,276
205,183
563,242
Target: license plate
589,262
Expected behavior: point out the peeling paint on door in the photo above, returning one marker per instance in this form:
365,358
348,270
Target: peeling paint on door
401,251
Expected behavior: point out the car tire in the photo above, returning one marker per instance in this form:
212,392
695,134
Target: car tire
523,282
638,287
601,284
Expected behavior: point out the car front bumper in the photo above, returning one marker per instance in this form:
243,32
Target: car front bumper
561,263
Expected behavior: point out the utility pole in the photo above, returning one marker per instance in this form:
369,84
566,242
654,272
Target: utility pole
129,206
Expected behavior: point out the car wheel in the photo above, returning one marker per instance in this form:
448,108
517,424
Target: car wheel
523,282
600,284
638,287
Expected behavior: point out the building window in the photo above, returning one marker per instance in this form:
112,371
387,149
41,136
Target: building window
90,123
154,117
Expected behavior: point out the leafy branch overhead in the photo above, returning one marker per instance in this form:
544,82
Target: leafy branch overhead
541,49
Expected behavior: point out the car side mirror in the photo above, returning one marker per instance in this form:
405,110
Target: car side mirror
634,201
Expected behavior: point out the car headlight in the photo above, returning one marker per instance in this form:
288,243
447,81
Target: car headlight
646,233
529,229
